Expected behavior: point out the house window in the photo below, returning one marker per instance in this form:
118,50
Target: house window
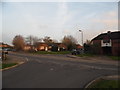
106,41
46,48
42,47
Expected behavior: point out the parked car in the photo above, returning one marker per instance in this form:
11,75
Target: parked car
8,49
5,51
76,52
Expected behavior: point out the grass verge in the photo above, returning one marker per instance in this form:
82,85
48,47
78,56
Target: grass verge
85,55
105,84
46,52
115,57
7,65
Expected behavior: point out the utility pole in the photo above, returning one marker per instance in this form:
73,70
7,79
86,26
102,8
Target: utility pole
4,55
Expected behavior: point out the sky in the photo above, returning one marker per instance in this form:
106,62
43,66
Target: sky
57,19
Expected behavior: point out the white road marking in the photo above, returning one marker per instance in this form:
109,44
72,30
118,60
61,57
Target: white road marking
94,67
88,66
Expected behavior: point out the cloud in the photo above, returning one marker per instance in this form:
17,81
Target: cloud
60,0
66,32
111,14
0,22
63,15
108,19
56,20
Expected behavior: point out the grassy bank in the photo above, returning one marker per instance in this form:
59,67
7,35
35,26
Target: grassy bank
7,65
46,52
105,84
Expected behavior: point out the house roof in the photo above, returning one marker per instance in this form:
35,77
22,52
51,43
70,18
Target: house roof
28,45
4,45
1,43
79,46
38,43
111,35
62,45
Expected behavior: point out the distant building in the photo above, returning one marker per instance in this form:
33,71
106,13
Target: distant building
62,47
51,47
107,43
78,46
41,46
3,45
27,47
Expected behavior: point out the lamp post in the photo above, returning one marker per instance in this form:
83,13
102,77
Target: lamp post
82,40
81,36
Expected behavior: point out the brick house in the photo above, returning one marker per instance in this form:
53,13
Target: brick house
107,43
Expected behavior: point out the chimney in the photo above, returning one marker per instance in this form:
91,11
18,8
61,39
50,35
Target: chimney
109,32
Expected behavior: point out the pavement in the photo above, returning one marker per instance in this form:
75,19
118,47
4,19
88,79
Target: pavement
56,71
14,59
111,77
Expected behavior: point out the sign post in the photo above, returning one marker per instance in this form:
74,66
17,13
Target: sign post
4,55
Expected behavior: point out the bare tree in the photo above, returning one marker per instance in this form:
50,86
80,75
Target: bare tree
29,40
18,42
47,40
87,42
32,40
69,41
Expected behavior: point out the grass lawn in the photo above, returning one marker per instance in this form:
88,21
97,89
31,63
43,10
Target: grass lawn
7,65
84,55
46,52
115,57
105,84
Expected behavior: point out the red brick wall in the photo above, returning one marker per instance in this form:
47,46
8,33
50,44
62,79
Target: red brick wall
116,47
97,47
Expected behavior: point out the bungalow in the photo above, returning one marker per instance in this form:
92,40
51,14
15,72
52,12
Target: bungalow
78,46
2,46
27,47
49,47
62,47
107,43
42,46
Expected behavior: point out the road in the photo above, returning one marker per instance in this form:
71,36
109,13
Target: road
55,71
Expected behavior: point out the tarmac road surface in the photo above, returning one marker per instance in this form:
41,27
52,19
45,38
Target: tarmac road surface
54,71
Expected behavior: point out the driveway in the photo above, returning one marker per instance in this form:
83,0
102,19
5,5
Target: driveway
55,71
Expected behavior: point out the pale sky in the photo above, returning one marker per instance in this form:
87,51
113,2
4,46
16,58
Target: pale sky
57,19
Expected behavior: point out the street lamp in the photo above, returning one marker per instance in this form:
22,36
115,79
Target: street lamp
82,40
81,36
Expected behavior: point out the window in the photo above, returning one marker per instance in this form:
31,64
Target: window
106,41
